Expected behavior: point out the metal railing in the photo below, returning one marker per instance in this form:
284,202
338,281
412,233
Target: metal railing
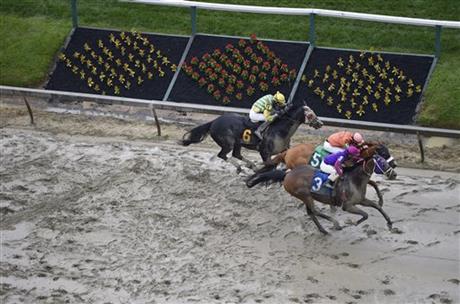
181,106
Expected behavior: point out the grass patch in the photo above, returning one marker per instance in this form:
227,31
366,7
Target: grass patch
42,26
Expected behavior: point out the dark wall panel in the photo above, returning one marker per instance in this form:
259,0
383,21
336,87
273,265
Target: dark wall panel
368,86
114,63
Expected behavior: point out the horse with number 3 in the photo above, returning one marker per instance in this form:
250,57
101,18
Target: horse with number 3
302,182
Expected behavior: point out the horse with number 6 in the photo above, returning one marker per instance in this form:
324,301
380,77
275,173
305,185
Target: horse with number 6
304,183
233,131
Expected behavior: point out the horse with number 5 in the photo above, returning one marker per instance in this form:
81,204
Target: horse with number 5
233,131
305,183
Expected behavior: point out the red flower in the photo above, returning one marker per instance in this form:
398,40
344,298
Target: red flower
253,38
266,66
247,64
284,68
250,91
275,81
228,63
217,95
194,61
263,75
212,63
202,82
254,57
239,96
263,86
188,70
284,77
236,68
223,58
277,61
292,74
255,69
259,60
195,76
275,70
208,71
211,88
206,57
218,68
252,78
260,45
224,74
239,84
230,89
213,76
270,54
202,66
248,50
217,53
232,79
229,48
221,82
226,100
244,74
242,43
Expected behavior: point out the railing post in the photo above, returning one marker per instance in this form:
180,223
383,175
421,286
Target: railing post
437,45
73,4
193,15
312,34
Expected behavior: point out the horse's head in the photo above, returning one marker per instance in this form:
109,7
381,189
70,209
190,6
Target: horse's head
310,117
383,167
368,152
383,151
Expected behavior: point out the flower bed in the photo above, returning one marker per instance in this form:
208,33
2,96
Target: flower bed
127,64
367,86
236,72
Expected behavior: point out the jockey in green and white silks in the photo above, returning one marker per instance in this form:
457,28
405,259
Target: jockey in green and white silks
264,109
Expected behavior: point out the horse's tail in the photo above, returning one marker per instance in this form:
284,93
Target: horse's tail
268,177
196,135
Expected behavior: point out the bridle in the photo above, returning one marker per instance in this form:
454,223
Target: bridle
387,172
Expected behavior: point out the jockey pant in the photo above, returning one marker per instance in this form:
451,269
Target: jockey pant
256,117
333,175
331,149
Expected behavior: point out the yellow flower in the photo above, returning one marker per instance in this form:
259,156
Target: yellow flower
348,114
360,111
116,90
375,107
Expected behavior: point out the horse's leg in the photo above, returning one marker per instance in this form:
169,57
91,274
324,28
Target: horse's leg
329,218
309,205
349,207
369,203
223,155
377,190
237,154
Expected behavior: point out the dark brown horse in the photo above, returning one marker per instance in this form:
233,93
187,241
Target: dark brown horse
351,189
301,154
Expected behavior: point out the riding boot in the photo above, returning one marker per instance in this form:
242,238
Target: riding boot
261,129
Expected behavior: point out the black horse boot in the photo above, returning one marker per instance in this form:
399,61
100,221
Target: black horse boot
261,129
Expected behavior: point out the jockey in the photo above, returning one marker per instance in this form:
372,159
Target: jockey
265,109
332,163
341,140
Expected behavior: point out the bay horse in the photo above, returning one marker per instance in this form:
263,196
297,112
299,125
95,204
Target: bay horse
351,188
234,131
301,154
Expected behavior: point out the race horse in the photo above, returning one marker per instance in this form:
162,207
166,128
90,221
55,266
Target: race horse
305,183
233,131
303,154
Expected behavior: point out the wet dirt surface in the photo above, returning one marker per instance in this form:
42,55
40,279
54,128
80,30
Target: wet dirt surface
112,217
